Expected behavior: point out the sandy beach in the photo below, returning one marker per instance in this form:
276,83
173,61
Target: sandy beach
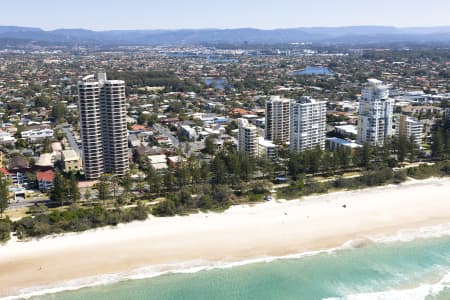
242,232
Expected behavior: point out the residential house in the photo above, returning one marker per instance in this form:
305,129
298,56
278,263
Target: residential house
45,180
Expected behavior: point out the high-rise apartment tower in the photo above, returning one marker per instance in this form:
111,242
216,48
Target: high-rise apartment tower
247,138
103,126
278,119
308,124
375,113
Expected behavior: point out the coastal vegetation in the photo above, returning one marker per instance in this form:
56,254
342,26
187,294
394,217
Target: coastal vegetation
207,196
439,169
229,178
304,187
5,230
76,219
4,194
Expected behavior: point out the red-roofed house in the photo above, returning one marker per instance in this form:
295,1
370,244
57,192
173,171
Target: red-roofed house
17,178
138,127
5,172
170,120
241,112
45,180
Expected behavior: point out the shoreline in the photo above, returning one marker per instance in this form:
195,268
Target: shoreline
271,230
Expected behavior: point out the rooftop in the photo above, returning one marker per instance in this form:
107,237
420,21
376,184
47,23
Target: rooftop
350,144
45,176
70,155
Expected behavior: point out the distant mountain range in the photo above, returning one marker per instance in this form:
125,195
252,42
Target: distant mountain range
330,35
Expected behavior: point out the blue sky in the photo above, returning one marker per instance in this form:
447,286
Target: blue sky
171,14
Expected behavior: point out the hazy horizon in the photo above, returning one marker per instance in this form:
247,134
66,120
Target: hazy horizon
221,28
105,15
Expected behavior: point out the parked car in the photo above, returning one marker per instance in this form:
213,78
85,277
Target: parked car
267,198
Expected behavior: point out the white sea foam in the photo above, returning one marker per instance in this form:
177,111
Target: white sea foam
422,292
408,235
200,265
159,270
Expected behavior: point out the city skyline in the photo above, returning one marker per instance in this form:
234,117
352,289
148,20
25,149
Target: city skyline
212,150
138,14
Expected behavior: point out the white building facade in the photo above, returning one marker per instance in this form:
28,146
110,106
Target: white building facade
277,125
114,127
266,149
375,113
247,138
308,124
411,128
103,126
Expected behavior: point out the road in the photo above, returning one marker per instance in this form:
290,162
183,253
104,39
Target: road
165,131
413,165
26,203
71,139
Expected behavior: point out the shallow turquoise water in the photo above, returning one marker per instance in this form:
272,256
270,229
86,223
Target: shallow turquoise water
371,269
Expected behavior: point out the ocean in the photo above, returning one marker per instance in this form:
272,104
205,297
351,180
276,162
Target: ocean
411,265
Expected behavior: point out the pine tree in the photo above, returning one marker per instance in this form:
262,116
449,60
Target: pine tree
413,149
126,183
154,180
104,188
438,145
402,148
4,195
59,192
74,192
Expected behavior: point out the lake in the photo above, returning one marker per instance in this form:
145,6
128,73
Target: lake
313,70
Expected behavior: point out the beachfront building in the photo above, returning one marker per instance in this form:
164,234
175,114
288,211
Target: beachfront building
375,113
277,123
16,178
247,138
114,127
411,128
90,126
335,143
266,149
71,161
347,130
103,126
308,124
45,180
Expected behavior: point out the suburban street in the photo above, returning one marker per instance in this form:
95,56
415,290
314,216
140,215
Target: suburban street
165,131
70,138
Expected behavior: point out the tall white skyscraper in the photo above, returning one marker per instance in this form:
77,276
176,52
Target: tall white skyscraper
103,126
375,113
114,127
247,138
90,126
278,119
308,124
